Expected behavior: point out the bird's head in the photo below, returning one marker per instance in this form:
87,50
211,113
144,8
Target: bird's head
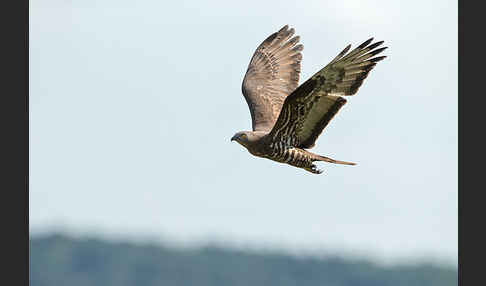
242,137
247,138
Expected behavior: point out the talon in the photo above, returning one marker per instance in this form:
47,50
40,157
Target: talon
313,169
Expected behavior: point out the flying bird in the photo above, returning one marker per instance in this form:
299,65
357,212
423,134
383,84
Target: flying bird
287,118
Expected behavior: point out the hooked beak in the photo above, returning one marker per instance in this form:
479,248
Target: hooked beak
233,138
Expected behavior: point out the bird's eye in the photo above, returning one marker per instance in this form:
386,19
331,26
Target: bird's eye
243,136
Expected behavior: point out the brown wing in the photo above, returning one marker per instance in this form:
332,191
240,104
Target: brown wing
273,73
308,110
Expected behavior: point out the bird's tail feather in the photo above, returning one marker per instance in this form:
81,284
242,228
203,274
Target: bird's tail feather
329,160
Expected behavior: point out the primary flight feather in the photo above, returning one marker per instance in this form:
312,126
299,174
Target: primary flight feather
287,118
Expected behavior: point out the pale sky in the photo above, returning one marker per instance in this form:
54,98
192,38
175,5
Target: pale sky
133,104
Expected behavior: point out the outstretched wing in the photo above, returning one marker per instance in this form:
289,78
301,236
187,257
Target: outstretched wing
273,73
308,110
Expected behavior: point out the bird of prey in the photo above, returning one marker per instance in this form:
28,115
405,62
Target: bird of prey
287,118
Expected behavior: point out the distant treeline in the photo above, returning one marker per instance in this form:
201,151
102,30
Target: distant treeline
60,260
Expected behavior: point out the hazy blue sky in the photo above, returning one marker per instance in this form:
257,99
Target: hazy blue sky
133,104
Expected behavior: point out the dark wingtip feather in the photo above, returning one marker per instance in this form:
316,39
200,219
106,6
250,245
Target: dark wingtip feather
346,49
342,53
298,48
377,59
295,40
284,28
369,67
374,45
377,51
365,43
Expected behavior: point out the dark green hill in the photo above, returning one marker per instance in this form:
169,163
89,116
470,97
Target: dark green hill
60,260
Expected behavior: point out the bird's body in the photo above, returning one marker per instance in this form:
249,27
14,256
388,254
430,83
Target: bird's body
284,152
286,118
